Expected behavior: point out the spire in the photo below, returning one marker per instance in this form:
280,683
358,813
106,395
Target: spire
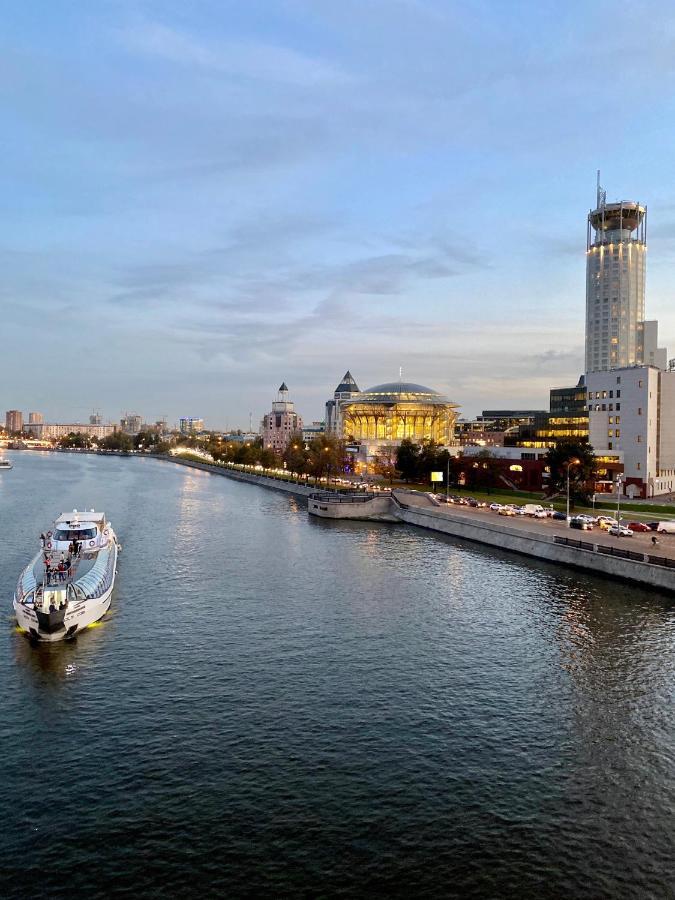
283,387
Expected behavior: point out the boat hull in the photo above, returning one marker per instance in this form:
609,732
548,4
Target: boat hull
82,614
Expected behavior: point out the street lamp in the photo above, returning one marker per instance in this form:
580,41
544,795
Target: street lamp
572,462
619,482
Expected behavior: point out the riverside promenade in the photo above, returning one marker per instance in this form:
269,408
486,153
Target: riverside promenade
634,559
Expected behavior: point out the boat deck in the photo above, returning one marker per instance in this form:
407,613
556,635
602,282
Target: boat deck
79,567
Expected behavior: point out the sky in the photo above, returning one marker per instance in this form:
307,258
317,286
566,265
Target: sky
202,200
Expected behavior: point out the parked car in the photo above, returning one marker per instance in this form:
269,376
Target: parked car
667,527
620,531
581,524
495,507
559,515
541,514
507,511
639,526
531,509
605,524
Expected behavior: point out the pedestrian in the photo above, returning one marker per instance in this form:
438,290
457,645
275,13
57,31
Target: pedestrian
67,567
655,540
61,570
43,540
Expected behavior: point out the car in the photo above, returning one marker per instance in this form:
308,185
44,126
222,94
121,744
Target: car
540,514
639,526
605,524
581,524
495,507
586,518
559,515
667,527
507,511
620,531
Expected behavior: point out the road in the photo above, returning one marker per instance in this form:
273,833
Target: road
640,542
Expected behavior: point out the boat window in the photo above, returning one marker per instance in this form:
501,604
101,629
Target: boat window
82,534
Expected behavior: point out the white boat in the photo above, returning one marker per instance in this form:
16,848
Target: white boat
5,464
68,584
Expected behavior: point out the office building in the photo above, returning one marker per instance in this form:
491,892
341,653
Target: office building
190,425
279,424
631,415
54,431
14,420
131,424
616,257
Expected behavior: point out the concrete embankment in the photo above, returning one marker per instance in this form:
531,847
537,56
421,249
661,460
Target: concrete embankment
600,556
278,484
597,553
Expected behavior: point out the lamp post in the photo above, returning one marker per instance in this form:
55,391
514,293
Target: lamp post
572,462
619,482
447,482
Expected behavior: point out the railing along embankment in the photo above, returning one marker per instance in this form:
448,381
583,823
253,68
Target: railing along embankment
595,557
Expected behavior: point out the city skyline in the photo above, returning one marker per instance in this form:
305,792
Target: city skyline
223,203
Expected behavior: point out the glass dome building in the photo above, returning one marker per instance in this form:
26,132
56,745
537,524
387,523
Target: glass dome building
388,413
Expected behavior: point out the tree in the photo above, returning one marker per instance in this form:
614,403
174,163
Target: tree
484,471
296,455
408,460
146,440
578,458
75,439
118,440
268,459
326,454
385,468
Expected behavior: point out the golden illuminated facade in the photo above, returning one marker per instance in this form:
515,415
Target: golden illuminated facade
384,415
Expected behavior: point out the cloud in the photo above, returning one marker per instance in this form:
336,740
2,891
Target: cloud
244,59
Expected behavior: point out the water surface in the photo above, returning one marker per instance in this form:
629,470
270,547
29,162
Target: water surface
279,705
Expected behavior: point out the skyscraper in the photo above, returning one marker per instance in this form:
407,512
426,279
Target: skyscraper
616,248
14,420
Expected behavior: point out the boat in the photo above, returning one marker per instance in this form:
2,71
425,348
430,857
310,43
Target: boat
68,584
5,464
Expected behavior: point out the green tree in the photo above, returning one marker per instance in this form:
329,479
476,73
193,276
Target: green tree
118,440
296,455
408,460
75,439
578,458
268,459
326,455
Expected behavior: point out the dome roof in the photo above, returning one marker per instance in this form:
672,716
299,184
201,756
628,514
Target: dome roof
401,392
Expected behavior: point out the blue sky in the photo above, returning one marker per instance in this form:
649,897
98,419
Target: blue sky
202,200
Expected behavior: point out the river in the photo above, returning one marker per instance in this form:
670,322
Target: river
279,705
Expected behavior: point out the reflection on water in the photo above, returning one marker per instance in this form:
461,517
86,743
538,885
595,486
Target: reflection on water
280,705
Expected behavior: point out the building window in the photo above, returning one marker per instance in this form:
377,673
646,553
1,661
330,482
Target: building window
611,420
617,433
639,410
618,406
618,420
639,438
638,466
611,394
609,445
640,383
618,393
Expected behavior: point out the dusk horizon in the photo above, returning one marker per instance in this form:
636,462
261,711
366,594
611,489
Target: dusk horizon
207,202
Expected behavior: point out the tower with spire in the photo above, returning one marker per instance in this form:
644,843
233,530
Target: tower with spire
347,389
278,426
